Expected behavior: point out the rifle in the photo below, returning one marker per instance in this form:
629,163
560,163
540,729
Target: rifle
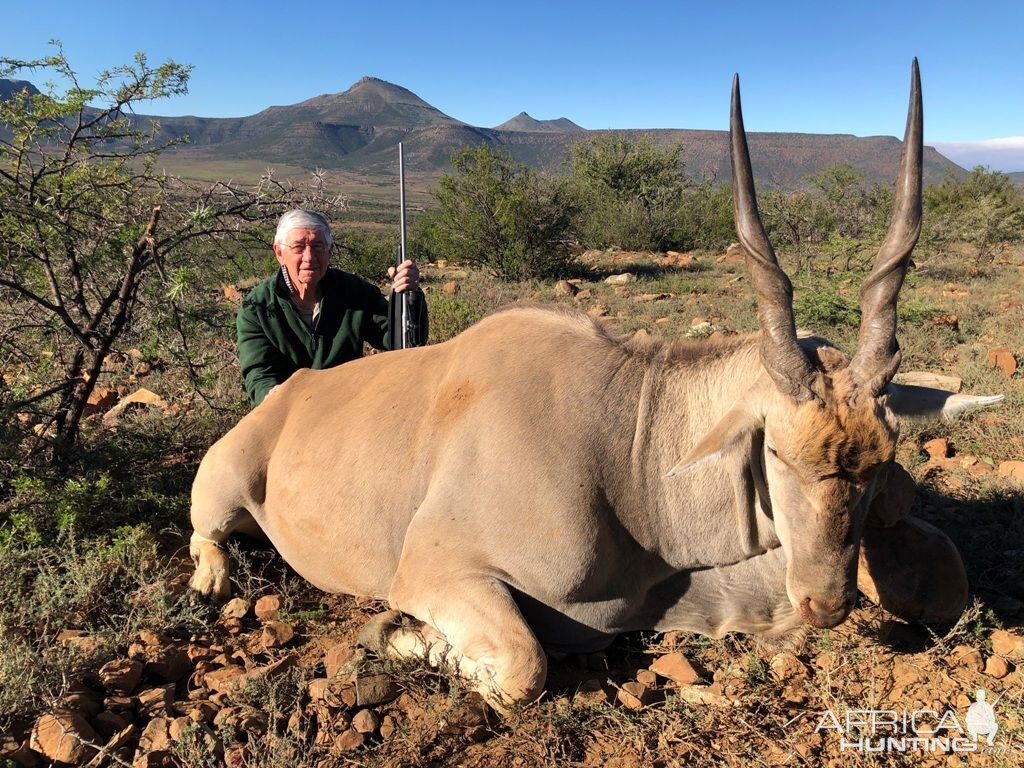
405,309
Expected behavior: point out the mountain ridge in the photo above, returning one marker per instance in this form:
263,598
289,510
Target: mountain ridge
357,131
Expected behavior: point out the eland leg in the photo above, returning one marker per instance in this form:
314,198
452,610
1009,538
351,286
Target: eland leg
217,511
470,625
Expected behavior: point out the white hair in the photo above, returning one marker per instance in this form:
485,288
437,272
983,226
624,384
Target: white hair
300,219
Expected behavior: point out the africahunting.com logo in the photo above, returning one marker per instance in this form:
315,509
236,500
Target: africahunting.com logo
919,730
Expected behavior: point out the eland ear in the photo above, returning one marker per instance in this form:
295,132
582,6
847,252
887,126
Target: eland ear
927,404
730,429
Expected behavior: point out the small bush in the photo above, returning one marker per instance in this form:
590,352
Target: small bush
450,316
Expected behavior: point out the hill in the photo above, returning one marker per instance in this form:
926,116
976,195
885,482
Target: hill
524,122
357,131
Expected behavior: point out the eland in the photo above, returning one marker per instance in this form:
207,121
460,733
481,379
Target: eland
562,484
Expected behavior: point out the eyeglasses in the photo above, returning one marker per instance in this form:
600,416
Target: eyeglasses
318,248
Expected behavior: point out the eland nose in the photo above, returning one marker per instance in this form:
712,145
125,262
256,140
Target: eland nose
824,613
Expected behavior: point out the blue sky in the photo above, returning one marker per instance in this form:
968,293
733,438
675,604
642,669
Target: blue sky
822,67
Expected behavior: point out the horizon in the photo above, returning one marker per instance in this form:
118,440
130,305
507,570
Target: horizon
804,70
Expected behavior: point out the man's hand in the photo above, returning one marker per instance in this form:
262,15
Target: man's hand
406,277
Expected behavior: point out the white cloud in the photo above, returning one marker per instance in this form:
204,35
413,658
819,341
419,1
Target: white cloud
1005,154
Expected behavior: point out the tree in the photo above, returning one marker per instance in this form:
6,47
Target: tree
630,191
500,214
983,209
91,231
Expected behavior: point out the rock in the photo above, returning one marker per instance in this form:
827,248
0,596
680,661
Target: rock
786,666
914,571
348,741
81,641
1003,359
565,288
106,724
929,379
701,694
140,398
100,400
1013,470
894,499
18,752
374,689
157,736
621,291
675,667
938,448
996,666
365,721
156,702
1007,643
232,294
450,288
86,703
966,657
634,695
337,657
623,279
236,608
64,737
644,298
224,680
121,675
583,295
268,607
590,694
599,310
276,634
388,727
646,677
167,663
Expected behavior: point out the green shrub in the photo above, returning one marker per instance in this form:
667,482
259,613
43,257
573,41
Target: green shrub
450,316
500,214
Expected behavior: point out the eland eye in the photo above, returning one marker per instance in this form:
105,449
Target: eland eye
772,450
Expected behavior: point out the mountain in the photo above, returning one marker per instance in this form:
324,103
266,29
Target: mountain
357,131
1017,177
10,87
523,122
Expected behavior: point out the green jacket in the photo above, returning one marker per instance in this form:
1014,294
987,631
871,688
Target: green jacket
274,342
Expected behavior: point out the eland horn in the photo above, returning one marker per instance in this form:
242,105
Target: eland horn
878,353
780,353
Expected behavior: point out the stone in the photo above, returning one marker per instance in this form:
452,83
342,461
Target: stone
701,694
99,400
997,667
374,689
1003,359
337,657
622,279
388,727
621,291
106,724
140,398
914,571
786,666
156,702
267,607
348,741
232,294
967,658
894,500
450,288
591,694
121,675
78,639
365,721
634,695
157,736
647,677
929,379
64,737
224,680
1006,643
276,634
564,288
236,608
645,298
167,663
1013,470
599,310
937,448
675,667
583,295
86,703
